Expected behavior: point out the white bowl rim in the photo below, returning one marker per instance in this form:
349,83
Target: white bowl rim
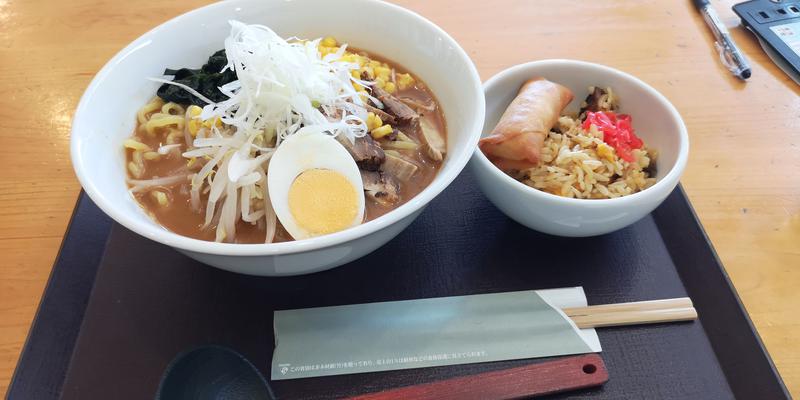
154,232
662,184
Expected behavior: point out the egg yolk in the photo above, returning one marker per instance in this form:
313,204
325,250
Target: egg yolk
323,201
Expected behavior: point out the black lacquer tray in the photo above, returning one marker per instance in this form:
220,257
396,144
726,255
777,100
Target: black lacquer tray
119,307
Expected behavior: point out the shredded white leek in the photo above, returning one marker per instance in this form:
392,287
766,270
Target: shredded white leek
284,87
280,81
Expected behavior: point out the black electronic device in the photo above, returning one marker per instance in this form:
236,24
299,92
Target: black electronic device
776,23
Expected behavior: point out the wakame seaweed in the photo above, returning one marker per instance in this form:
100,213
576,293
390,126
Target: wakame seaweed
205,80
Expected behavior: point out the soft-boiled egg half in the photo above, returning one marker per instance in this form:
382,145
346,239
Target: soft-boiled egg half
315,186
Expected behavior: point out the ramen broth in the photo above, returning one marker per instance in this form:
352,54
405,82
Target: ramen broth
177,214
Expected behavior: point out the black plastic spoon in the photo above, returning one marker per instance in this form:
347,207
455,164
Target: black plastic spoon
213,373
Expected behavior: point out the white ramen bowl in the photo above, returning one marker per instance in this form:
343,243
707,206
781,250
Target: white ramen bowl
106,117
656,121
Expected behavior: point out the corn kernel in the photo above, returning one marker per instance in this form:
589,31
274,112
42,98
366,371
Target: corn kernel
194,121
404,81
355,74
381,132
383,73
605,151
390,87
350,57
329,42
373,121
195,111
324,51
380,83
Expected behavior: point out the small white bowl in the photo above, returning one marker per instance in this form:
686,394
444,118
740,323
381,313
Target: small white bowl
106,116
656,121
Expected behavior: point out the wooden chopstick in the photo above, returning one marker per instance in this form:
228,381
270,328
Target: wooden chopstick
681,302
634,313
635,317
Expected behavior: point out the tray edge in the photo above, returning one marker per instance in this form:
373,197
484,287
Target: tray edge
743,388
38,328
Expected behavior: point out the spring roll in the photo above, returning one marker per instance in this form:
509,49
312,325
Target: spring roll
516,142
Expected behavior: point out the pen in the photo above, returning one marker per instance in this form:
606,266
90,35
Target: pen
729,54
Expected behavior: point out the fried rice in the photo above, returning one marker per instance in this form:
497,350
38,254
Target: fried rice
578,164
